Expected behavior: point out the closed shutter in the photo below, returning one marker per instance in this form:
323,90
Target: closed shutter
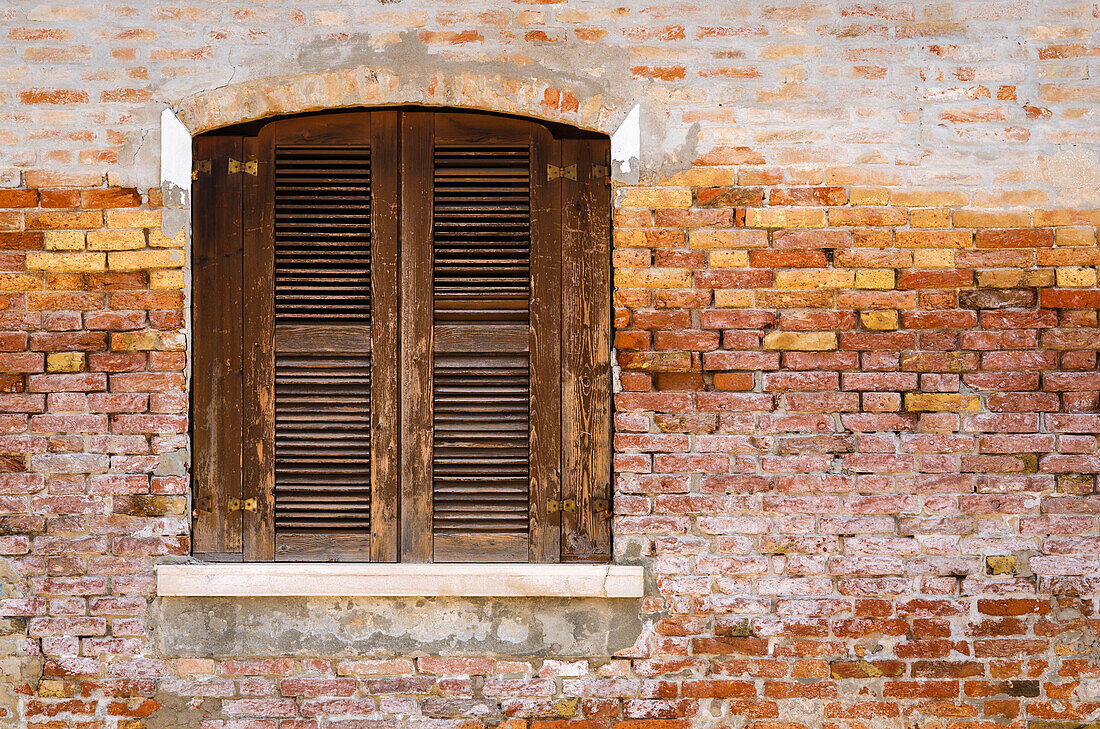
322,349
217,266
481,283
418,343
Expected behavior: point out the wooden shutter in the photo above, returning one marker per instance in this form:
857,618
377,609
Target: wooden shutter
312,469
403,347
217,274
482,181
586,351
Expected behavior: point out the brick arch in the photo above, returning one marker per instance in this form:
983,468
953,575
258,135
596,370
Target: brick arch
556,101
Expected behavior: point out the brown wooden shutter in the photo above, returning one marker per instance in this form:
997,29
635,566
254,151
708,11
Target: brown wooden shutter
481,285
586,351
314,485
217,319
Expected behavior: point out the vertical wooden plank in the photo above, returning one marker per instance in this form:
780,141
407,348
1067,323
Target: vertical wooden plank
216,323
259,351
385,352
586,361
545,352
416,336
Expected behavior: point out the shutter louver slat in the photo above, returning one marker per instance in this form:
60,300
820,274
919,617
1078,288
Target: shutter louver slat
322,223
481,273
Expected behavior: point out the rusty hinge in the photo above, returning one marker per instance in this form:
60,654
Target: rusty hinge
201,165
553,505
251,166
234,504
603,508
554,173
601,172
200,506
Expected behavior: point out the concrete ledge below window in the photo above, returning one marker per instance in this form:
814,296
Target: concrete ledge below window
398,580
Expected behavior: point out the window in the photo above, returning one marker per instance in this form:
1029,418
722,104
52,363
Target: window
402,345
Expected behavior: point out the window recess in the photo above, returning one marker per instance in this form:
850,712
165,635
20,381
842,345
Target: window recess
402,341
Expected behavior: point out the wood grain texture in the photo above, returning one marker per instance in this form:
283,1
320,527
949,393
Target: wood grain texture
586,354
218,369
258,453
385,342
416,337
546,342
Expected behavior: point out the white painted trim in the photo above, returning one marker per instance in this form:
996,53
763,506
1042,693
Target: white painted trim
398,580
626,142
175,152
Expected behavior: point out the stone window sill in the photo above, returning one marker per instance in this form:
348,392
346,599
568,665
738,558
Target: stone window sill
262,579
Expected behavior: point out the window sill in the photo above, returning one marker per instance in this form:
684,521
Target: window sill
398,580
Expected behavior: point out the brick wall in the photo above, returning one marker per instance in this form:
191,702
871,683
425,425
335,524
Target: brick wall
856,311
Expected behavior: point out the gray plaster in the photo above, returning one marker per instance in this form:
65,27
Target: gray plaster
381,627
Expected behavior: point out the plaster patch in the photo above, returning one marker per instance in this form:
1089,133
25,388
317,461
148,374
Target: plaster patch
626,147
175,152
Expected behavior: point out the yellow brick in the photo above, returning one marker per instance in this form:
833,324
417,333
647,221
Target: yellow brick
65,361
116,240
20,282
64,240
157,239
1085,276
940,402
929,218
868,195
1013,278
54,689
729,259
934,239
1062,236
990,219
124,218
736,238
875,278
731,299
929,198
933,258
879,320
1000,564
657,197
133,341
784,218
65,261
171,278
814,278
705,177
652,278
801,341
144,259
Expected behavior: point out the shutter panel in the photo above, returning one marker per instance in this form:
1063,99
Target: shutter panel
322,350
586,351
217,267
481,279
310,319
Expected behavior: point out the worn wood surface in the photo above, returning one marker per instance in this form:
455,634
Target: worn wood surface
385,341
586,366
416,337
217,262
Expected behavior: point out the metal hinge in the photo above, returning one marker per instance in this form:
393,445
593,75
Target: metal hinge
202,165
603,508
251,166
554,173
200,506
601,172
234,504
553,505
